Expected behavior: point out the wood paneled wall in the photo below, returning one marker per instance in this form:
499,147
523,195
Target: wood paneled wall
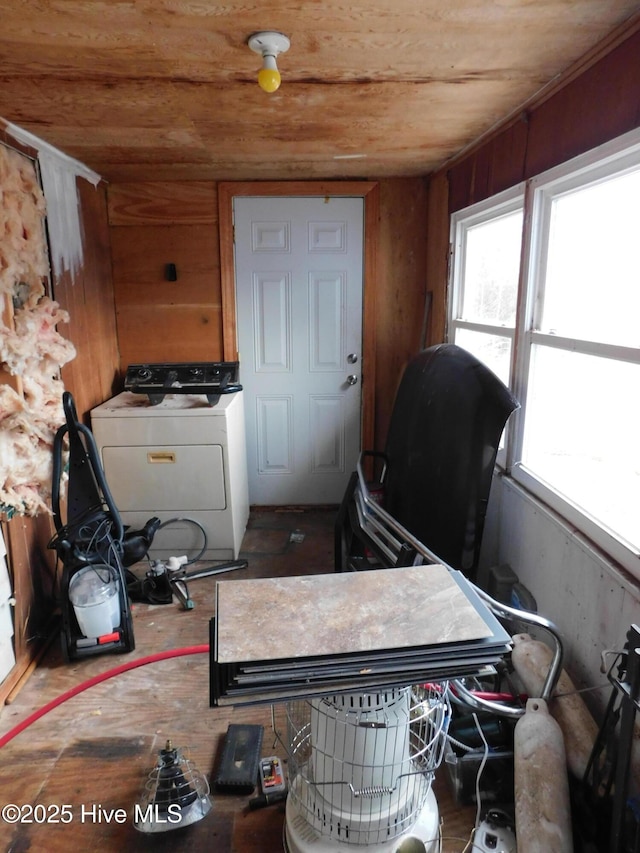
155,223
401,300
152,225
594,106
88,298
438,254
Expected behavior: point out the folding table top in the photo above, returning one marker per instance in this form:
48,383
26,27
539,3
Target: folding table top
305,635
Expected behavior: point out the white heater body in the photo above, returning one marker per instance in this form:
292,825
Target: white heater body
360,771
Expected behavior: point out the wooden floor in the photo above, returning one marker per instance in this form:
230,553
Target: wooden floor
92,753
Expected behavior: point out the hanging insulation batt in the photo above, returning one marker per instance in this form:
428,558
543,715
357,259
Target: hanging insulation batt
31,349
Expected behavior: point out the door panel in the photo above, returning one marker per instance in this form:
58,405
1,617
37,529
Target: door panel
273,435
272,322
327,434
326,321
299,277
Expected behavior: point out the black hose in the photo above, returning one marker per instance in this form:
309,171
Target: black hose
197,524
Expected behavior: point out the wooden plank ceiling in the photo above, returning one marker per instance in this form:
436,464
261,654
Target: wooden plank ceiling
166,89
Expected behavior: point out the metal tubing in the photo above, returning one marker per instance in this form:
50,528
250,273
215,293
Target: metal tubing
389,521
506,612
377,522
484,704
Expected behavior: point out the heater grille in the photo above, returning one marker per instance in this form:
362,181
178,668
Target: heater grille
361,765
175,795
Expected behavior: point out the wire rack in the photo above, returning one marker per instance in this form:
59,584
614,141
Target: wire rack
175,794
361,764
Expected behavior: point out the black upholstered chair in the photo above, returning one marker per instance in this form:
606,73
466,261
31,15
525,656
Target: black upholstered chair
449,414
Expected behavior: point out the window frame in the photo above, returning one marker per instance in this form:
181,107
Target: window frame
502,204
461,222
609,160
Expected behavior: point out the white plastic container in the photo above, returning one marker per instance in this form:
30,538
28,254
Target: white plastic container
93,591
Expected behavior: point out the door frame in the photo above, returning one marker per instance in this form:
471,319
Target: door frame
369,191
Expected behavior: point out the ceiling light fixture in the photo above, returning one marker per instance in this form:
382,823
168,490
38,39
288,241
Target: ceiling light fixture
269,44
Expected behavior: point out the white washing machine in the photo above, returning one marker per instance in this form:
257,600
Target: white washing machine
179,459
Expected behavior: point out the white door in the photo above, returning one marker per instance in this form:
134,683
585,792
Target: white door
299,285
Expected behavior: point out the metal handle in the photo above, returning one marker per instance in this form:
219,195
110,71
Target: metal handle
352,358
162,457
352,379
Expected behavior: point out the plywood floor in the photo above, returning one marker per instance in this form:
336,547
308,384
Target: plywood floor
92,753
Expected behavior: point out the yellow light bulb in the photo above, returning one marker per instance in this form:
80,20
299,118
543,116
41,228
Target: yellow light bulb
269,76
269,79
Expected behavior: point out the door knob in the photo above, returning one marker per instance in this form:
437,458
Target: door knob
352,358
352,379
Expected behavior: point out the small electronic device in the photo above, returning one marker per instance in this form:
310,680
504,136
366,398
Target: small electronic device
271,775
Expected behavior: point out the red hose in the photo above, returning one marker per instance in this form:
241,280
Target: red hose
500,697
494,697
91,682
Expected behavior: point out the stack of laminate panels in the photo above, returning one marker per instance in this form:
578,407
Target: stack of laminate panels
277,639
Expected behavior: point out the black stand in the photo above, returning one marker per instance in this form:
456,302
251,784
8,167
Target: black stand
606,781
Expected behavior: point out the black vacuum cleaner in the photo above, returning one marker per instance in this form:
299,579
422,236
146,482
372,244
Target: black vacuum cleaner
92,547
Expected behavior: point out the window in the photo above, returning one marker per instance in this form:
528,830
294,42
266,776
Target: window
574,324
486,263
